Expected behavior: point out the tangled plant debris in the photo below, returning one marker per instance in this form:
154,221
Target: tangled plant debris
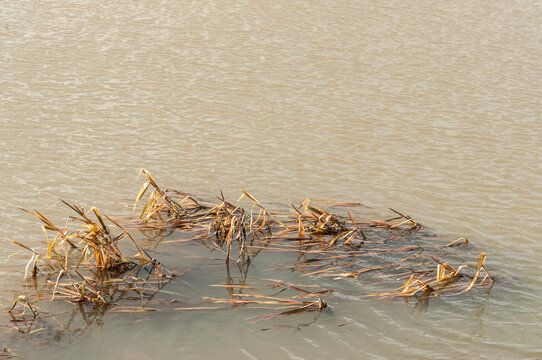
87,257
88,263
329,245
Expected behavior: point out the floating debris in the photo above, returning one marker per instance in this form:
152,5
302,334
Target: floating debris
92,249
325,243
85,264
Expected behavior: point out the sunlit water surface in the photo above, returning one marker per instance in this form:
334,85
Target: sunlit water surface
432,108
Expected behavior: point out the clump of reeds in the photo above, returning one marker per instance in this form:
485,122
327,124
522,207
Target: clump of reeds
329,245
445,275
92,248
325,244
164,206
224,222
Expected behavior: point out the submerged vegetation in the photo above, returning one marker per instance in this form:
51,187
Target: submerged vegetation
94,261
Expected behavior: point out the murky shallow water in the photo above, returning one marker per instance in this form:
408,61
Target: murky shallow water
429,108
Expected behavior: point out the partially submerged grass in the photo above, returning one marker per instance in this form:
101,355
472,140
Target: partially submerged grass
327,244
85,257
88,263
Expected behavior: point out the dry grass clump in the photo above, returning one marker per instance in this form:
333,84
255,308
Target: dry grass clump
328,245
86,255
86,263
162,206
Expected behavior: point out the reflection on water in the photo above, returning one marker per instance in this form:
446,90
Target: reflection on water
430,108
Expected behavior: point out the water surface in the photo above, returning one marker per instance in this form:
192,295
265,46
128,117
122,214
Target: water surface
432,108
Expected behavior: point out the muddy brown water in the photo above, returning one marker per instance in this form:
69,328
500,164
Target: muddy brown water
432,108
